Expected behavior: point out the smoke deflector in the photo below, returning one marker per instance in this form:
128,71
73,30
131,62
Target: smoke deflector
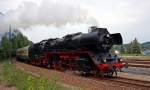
117,38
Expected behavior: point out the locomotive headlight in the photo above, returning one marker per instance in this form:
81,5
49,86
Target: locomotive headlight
107,35
120,60
104,60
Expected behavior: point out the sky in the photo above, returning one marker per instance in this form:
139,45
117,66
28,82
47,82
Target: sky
43,19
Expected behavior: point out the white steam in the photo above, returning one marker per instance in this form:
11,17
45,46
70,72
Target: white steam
50,14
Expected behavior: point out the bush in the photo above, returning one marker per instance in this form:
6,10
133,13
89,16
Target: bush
25,81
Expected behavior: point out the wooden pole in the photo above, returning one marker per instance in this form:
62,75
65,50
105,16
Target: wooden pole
10,47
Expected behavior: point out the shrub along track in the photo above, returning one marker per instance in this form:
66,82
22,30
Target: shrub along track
85,83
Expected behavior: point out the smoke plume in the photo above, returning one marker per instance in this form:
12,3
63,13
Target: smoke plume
47,13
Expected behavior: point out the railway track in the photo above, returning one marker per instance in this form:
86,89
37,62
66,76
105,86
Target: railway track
138,63
119,81
144,84
136,60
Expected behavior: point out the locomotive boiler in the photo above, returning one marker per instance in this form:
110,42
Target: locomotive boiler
82,52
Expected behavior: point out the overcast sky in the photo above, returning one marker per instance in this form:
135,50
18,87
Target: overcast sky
43,19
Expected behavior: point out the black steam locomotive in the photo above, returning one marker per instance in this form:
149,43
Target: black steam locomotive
82,52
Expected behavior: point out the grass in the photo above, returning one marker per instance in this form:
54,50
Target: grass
25,81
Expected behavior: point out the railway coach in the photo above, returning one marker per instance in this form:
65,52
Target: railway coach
22,54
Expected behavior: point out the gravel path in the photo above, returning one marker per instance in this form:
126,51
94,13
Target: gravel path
83,83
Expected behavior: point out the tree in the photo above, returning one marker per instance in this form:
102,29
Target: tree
122,50
129,48
1,53
5,46
136,47
18,40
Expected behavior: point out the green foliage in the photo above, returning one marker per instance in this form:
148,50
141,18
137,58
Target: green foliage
132,48
5,47
145,46
18,40
1,53
42,85
122,50
129,48
25,81
136,47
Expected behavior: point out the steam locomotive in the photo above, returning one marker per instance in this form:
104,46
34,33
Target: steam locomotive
86,53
